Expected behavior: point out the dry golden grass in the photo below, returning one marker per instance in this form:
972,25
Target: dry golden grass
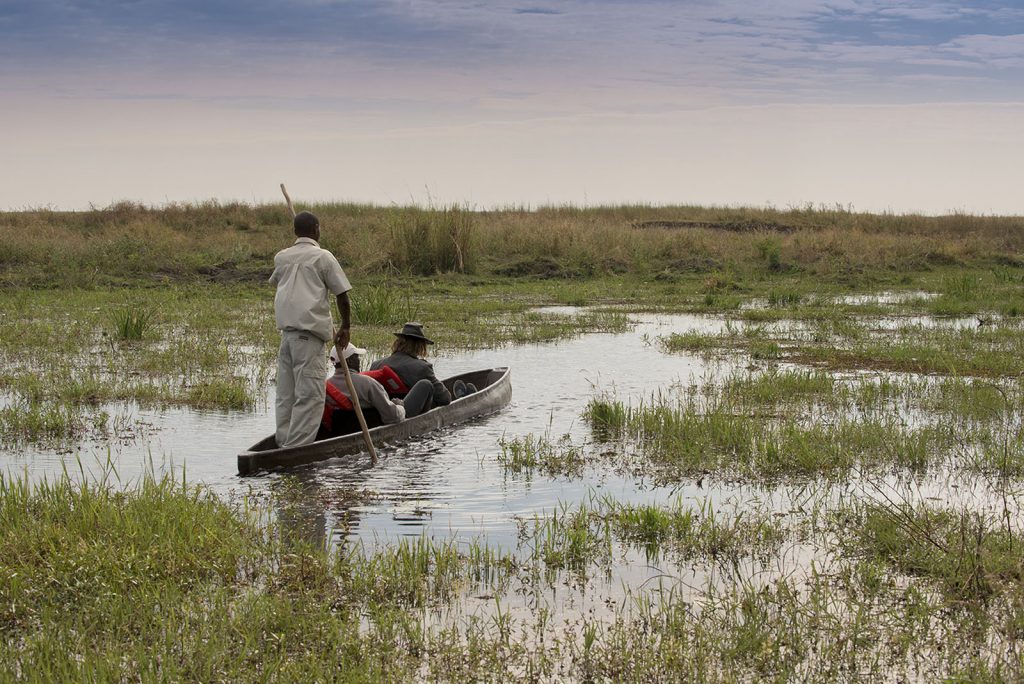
237,242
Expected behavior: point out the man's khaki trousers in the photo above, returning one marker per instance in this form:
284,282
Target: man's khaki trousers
301,373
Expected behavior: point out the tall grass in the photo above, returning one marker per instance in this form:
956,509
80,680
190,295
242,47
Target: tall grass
235,242
436,241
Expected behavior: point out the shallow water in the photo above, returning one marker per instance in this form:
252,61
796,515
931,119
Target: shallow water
447,483
450,485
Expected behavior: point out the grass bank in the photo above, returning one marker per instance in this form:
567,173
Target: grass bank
727,247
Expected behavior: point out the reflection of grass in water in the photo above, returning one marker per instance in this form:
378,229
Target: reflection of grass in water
694,532
583,536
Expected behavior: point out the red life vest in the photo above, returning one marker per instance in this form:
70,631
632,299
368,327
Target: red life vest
340,402
389,378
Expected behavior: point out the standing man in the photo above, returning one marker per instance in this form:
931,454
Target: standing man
305,276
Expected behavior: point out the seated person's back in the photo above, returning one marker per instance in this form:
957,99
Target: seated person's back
408,363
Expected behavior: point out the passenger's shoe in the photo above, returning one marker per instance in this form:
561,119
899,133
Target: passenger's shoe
461,389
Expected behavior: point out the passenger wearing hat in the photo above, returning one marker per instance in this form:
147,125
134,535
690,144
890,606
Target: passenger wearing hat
339,417
306,276
408,363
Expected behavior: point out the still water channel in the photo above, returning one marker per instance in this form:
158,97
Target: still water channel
448,483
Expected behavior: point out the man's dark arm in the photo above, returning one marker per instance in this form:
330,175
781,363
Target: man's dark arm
341,338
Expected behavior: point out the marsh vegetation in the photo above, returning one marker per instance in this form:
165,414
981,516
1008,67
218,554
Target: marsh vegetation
835,495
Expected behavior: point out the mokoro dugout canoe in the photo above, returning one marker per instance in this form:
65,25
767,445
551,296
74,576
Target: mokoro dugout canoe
494,392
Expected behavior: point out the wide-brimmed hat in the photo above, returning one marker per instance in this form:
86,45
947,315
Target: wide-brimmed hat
349,351
415,331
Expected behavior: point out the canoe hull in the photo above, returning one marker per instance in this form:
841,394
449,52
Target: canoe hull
494,393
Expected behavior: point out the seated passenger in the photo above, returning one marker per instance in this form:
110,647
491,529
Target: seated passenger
339,416
406,368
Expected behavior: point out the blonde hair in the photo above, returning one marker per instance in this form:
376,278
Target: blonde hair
410,346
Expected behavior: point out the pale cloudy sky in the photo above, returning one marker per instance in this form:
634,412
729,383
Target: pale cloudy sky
903,105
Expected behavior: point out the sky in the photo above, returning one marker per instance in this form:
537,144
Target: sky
899,106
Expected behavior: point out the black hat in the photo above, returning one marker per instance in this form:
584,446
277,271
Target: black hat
415,331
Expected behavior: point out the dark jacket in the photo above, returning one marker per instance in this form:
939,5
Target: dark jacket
411,370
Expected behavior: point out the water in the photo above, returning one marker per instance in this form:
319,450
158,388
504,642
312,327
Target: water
448,483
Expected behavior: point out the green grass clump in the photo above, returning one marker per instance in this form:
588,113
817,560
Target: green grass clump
229,393
969,555
132,324
382,304
690,341
775,387
41,421
542,454
694,532
692,436
570,538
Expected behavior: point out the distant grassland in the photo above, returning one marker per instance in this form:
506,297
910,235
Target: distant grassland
236,242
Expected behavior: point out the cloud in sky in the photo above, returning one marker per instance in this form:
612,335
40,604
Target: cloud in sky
239,70
728,44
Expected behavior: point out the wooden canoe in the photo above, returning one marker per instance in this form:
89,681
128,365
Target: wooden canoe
494,392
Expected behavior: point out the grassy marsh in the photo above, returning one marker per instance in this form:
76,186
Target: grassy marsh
162,580
167,580
805,423
66,358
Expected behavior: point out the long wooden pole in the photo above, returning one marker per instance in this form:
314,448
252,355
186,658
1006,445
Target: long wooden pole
348,376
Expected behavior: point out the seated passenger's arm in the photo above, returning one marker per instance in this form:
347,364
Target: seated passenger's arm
389,411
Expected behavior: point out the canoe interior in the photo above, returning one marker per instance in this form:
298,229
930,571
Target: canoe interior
494,390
